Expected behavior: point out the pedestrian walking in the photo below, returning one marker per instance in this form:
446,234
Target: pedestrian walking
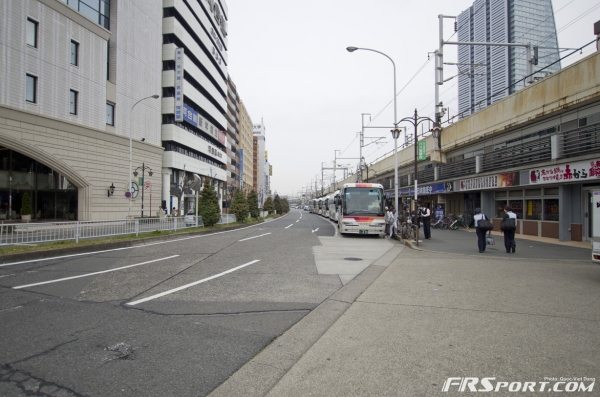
393,223
426,219
482,226
508,227
386,216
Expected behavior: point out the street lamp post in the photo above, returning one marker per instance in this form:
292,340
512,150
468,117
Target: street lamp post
415,120
144,169
129,181
352,49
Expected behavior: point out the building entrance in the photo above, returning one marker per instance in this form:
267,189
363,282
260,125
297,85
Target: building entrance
52,195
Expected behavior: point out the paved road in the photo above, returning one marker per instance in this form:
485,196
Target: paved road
443,312
172,317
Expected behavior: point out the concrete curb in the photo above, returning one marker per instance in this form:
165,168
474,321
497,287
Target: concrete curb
258,376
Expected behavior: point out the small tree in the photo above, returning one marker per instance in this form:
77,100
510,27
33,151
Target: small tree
277,204
26,204
268,205
253,204
285,206
209,205
239,206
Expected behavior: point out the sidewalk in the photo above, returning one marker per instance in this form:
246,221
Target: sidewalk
417,317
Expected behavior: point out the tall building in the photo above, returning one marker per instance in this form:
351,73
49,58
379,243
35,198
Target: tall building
246,149
259,159
76,85
233,138
194,90
490,73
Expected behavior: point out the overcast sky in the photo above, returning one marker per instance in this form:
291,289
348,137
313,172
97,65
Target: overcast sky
289,62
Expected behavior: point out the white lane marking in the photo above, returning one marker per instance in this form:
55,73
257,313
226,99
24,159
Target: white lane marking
314,230
250,238
136,246
149,298
288,226
94,273
7,275
298,221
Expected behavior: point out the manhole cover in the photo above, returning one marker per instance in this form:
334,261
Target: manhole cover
353,259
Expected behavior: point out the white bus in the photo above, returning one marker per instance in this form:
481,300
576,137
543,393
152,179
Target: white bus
333,199
361,209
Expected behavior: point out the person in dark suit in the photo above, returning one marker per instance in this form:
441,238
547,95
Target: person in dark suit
426,219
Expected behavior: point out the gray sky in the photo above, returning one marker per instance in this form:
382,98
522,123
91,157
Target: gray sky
290,64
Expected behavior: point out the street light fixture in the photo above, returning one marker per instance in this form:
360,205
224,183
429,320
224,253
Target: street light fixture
415,121
144,169
129,181
352,49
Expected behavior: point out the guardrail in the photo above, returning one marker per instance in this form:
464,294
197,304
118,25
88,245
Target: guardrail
31,233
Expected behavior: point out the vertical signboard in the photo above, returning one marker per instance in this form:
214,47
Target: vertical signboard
422,150
179,84
595,222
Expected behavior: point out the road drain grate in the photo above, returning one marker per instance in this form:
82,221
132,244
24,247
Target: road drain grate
353,259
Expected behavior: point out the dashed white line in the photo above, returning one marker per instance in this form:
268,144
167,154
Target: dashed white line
94,273
314,230
149,298
288,226
250,238
134,246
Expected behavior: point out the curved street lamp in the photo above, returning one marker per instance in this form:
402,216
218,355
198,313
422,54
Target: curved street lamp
129,182
395,131
415,120
144,169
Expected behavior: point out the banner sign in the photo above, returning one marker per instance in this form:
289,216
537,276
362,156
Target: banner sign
568,172
488,182
425,189
179,84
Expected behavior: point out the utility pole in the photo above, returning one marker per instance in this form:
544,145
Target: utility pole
362,143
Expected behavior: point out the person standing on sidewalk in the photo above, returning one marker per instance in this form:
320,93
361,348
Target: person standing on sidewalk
393,222
426,219
386,218
509,226
481,232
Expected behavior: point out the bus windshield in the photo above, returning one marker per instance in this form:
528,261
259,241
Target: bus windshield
360,200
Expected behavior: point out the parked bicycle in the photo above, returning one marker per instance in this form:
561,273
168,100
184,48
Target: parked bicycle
408,231
458,223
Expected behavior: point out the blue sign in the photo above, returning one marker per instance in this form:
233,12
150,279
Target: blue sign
425,189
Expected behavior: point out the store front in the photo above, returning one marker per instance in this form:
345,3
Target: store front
52,195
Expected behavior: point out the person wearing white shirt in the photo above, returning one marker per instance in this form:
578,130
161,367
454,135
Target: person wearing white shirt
481,238
509,226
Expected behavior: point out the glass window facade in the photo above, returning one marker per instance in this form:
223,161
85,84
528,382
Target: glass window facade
31,33
31,88
110,113
73,97
74,53
53,196
97,11
529,204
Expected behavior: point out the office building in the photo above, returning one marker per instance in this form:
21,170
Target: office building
490,73
194,106
76,82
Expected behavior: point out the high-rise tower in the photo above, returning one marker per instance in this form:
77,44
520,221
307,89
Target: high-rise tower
489,73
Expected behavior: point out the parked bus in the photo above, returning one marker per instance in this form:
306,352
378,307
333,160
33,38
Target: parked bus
333,199
361,209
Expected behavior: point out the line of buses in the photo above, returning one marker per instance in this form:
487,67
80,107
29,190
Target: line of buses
357,208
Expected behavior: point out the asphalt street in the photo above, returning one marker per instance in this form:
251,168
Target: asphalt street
172,317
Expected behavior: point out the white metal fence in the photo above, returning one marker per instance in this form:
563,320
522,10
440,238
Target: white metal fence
30,233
